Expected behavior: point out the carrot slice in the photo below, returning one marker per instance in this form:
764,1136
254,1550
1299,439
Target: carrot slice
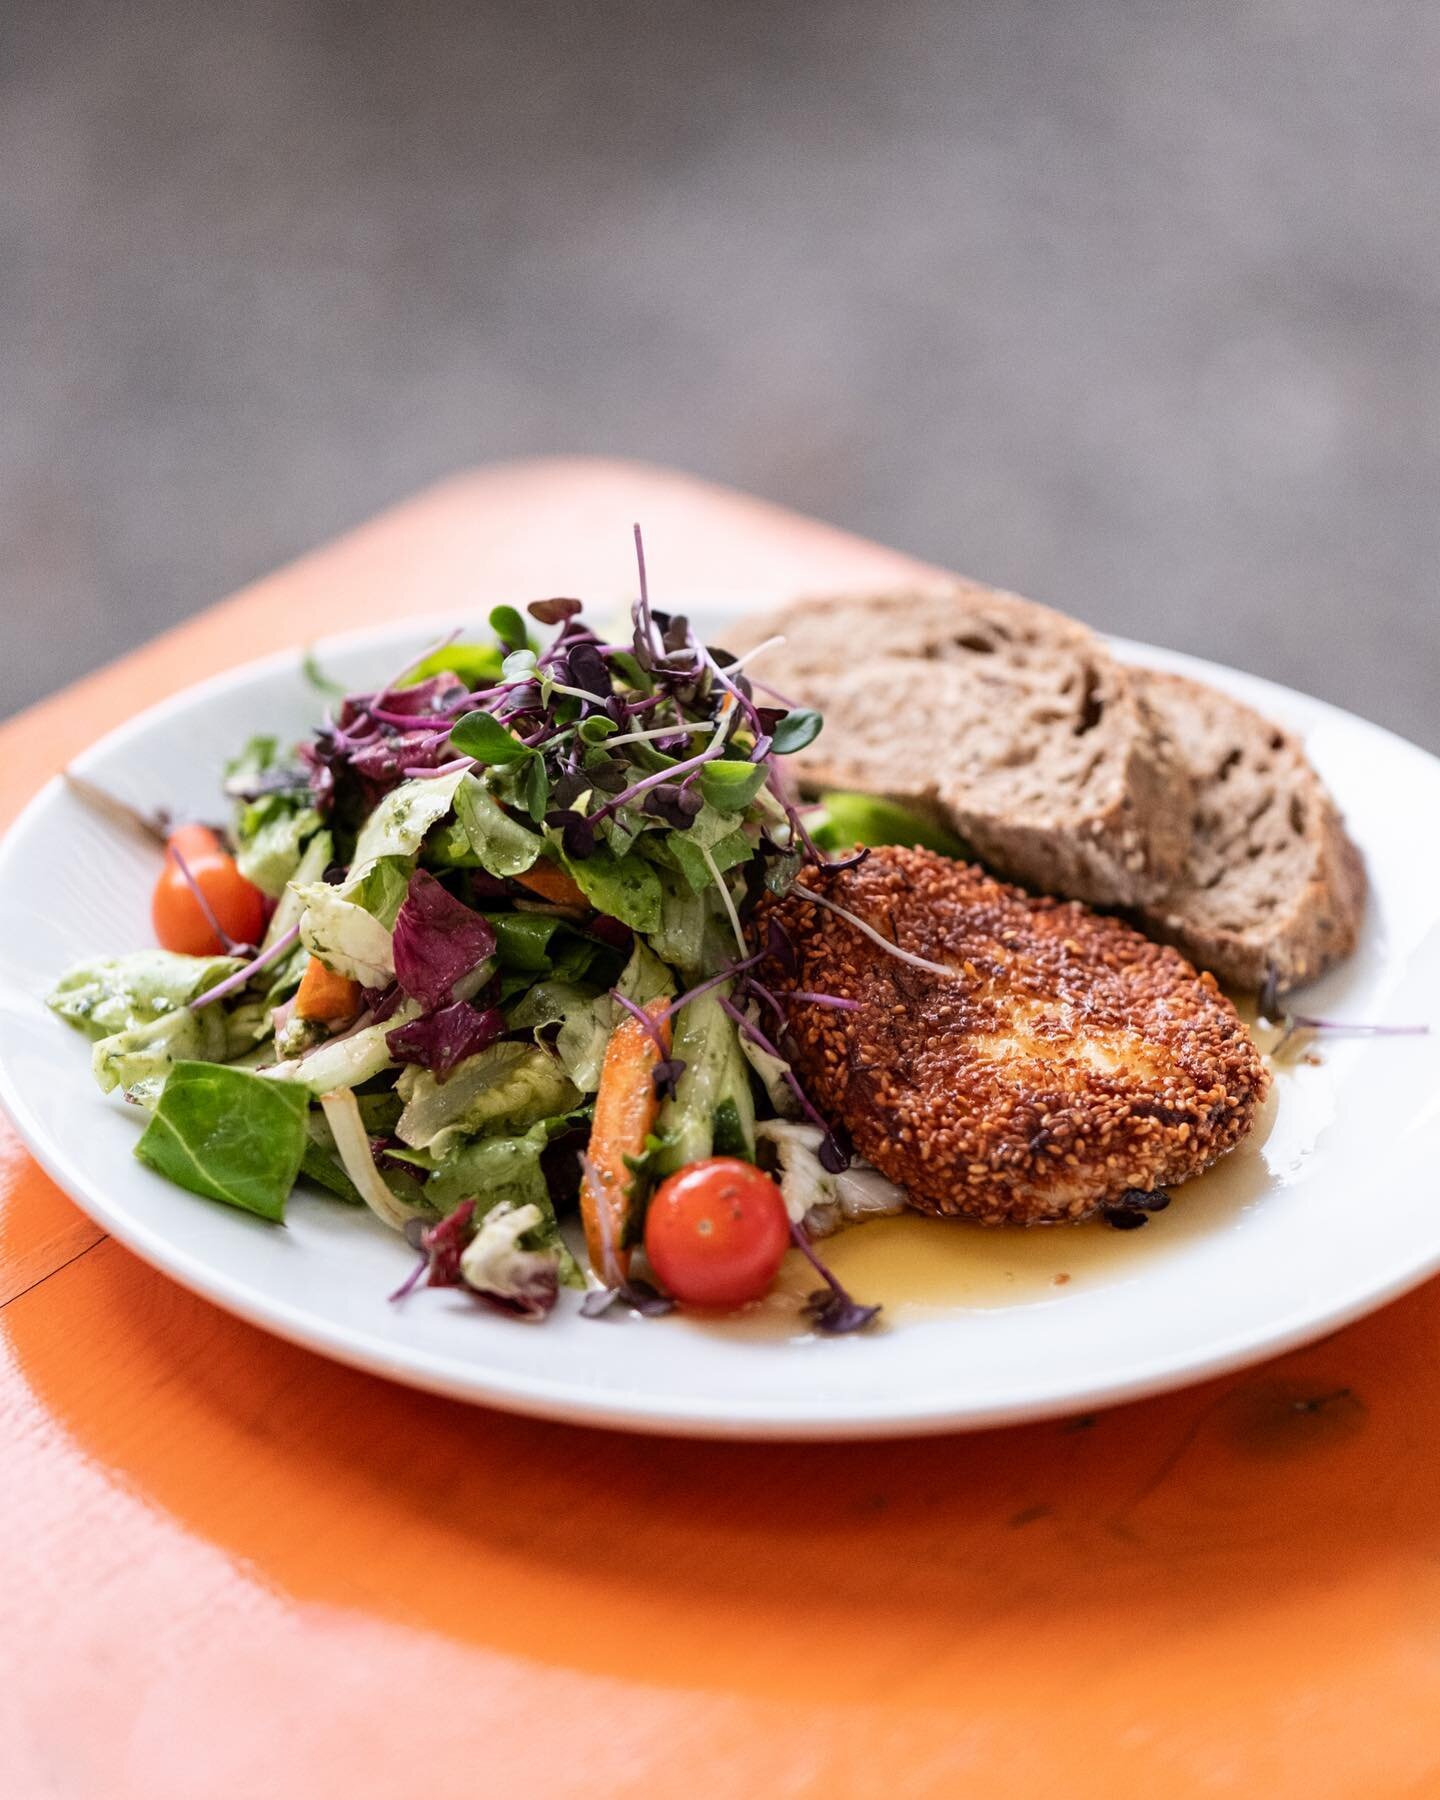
325,995
625,1110
550,882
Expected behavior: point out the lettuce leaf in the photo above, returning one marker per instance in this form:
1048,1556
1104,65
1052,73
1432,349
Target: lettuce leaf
345,937
505,1089
271,830
504,1170
230,1135
398,825
381,890
503,847
146,1053
118,993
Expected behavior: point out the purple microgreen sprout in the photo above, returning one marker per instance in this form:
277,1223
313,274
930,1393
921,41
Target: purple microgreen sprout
837,1001
726,898
888,945
415,661
232,948
645,624
233,983
831,1309
1300,1024
554,612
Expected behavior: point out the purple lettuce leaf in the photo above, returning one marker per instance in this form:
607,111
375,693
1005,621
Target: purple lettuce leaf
438,941
440,1041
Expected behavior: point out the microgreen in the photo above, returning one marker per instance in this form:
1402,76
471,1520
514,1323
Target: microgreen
509,628
796,731
481,735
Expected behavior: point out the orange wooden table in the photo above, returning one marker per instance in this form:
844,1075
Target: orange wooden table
229,1568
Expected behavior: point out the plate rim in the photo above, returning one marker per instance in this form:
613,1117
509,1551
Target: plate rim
936,1412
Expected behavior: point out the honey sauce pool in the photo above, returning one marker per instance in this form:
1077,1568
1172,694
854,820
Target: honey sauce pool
921,1268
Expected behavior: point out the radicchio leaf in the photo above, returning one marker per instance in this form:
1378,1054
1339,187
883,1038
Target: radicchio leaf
438,941
442,1040
440,1246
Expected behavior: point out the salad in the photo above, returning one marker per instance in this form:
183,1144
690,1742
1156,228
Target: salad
479,955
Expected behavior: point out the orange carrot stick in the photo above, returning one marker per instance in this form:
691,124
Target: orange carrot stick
326,996
550,882
625,1110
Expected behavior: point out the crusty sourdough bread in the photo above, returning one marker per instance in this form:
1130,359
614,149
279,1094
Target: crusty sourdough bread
1273,882
1009,721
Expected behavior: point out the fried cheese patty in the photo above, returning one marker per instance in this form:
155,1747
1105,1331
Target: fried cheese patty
1065,1060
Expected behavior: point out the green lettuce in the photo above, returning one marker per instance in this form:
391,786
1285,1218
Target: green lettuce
345,937
502,846
502,1090
230,1135
398,825
494,1170
118,993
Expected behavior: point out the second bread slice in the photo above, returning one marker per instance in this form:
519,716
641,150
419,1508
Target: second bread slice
1273,885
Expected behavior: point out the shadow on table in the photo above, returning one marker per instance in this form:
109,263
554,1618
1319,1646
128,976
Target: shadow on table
775,1569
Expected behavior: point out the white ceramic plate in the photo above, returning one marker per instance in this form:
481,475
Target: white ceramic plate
1334,1213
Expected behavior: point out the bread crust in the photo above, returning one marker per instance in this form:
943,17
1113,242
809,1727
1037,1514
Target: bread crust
1281,893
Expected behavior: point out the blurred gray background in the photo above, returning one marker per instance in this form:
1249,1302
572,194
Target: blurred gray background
1132,306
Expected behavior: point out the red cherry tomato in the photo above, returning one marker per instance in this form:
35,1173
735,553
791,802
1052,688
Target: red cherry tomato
180,921
716,1232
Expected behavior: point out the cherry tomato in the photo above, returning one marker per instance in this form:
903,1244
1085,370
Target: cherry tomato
179,919
716,1232
195,842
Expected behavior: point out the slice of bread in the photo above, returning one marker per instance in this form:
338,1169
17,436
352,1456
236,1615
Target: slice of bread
1011,723
1273,882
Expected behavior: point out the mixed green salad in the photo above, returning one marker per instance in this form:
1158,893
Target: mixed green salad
477,955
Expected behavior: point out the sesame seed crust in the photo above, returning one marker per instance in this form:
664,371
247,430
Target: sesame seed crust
1067,1060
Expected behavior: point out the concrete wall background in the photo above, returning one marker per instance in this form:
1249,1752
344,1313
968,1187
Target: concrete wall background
1132,306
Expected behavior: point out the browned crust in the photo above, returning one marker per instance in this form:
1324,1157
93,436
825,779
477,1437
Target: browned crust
1069,1059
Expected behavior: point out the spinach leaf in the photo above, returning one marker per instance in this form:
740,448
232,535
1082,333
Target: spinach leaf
625,887
230,1135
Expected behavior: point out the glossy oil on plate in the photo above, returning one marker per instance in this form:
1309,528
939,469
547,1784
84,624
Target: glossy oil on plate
1329,1210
